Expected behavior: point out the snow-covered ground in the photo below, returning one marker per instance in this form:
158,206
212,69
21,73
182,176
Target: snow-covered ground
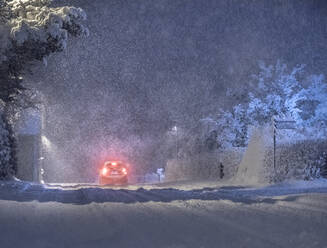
183,214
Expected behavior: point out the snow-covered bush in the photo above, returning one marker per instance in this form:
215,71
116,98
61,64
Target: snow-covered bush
302,160
322,161
232,127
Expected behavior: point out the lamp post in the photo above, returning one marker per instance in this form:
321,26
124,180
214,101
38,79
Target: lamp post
175,130
41,138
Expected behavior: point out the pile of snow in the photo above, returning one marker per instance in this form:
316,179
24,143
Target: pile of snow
302,184
85,194
252,169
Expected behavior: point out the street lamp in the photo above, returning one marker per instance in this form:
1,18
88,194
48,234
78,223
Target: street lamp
175,129
43,141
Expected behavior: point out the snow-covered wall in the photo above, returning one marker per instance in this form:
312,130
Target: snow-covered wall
30,122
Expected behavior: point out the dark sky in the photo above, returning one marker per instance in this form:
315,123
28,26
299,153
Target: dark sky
149,65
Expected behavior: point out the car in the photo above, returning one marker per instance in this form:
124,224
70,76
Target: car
113,172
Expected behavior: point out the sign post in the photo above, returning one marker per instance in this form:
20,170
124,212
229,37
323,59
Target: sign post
274,146
280,124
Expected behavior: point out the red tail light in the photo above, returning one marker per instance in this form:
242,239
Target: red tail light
104,171
124,171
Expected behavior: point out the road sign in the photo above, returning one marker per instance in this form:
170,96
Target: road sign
281,124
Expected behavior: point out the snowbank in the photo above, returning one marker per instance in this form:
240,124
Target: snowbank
252,169
85,194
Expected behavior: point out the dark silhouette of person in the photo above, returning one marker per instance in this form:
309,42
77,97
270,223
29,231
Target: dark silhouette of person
221,170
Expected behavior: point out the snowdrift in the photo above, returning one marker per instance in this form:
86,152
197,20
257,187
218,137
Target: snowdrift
255,164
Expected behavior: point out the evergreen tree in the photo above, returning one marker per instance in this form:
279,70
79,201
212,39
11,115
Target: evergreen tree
30,31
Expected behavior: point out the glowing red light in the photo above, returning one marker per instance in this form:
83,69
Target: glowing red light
124,171
113,163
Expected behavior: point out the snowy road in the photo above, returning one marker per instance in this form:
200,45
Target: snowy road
181,215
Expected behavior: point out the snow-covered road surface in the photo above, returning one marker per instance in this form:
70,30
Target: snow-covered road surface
170,215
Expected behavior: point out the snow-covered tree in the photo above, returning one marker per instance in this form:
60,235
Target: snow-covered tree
232,127
280,92
311,102
274,92
30,30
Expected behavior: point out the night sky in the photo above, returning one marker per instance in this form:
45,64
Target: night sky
150,65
